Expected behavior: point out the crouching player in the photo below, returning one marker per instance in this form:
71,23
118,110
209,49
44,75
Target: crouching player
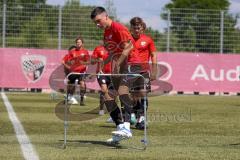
75,61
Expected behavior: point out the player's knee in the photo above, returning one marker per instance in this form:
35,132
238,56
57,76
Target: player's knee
82,84
104,89
123,90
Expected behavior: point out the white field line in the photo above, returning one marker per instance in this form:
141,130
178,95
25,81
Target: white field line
28,151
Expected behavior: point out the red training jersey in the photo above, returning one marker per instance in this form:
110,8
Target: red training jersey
145,45
101,53
115,36
75,58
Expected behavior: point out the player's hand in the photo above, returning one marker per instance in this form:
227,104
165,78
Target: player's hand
153,76
100,72
67,66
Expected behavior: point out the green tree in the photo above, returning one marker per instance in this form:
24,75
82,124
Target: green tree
76,21
35,32
231,35
197,23
157,37
20,11
237,47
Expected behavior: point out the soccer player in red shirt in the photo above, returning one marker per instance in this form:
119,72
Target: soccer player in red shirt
147,51
76,61
100,54
120,45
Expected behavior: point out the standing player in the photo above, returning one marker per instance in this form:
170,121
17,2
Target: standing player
100,54
76,61
118,41
147,51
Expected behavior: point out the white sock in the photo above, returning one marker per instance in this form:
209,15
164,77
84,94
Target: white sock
120,126
127,125
142,118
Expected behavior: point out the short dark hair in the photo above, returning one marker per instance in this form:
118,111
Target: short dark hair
136,21
71,48
96,11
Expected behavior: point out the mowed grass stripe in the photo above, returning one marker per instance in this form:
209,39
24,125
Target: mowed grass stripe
9,146
212,132
28,151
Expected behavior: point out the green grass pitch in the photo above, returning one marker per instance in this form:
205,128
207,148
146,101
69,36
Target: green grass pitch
180,128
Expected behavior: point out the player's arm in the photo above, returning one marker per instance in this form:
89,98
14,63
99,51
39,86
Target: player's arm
153,55
67,59
109,58
154,72
127,47
94,58
65,62
65,65
84,61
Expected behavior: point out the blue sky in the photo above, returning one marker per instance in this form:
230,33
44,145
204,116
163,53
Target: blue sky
149,10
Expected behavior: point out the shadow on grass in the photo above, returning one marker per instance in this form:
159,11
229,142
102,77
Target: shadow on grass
108,126
232,145
93,143
84,143
235,144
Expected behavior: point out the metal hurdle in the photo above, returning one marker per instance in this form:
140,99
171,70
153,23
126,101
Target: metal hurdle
144,140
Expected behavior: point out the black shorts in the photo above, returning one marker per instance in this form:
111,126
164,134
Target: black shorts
104,80
138,83
73,77
127,80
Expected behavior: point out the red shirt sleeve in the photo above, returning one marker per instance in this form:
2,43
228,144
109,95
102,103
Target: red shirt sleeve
66,58
124,36
95,53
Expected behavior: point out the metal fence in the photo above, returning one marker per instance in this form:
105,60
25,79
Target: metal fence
45,26
201,30
56,27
